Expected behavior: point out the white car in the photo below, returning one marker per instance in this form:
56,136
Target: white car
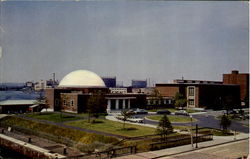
181,112
135,120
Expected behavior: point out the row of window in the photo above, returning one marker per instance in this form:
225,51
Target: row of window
71,103
150,102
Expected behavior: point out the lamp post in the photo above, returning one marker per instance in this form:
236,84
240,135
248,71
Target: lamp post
191,131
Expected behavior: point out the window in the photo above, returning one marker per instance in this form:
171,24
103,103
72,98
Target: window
64,102
191,91
191,102
72,102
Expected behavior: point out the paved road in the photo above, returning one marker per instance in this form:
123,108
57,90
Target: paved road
208,121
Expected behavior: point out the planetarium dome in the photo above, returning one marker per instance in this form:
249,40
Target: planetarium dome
81,78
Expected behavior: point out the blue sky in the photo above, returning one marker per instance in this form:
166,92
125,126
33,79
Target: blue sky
127,39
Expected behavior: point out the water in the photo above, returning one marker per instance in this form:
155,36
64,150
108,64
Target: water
16,95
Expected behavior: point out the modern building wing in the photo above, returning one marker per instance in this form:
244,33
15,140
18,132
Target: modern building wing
213,96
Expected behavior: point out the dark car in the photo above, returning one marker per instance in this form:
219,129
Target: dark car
163,112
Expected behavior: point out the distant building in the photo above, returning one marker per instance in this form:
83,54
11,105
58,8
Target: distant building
52,83
43,84
109,81
139,83
241,79
40,85
29,84
16,106
147,91
118,90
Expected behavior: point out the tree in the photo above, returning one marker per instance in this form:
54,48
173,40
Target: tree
96,104
228,104
225,122
164,127
180,100
125,115
42,102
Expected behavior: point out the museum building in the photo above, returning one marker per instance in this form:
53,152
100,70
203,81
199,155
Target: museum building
75,89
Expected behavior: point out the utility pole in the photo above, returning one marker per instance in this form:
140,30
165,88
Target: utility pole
191,132
196,136
54,79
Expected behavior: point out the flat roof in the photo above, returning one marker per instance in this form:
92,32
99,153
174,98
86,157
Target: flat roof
17,102
194,84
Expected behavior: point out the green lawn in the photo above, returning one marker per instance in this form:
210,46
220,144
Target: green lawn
172,110
114,127
55,117
173,118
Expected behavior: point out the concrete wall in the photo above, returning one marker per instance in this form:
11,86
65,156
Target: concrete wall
26,149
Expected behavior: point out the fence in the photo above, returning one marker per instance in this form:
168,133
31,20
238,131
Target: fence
115,152
180,141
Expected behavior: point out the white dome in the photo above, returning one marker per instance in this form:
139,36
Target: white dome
82,78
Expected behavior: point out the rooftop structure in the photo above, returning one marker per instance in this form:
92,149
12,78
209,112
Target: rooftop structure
196,81
109,81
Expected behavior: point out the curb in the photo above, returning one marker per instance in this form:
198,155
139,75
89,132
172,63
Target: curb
172,122
200,148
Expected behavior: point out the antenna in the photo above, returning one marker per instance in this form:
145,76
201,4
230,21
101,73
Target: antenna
54,79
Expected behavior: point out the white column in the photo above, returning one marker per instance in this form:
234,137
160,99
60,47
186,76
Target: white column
117,104
148,102
109,106
128,103
123,104
165,102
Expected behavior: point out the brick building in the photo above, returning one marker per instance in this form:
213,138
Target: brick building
201,94
241,79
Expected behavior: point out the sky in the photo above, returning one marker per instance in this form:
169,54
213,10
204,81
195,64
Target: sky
128,39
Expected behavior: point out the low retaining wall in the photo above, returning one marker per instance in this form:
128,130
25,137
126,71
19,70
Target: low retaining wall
27,149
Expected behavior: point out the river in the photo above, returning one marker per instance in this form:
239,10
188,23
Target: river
16,95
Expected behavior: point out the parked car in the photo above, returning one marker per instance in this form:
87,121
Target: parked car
141,111
135,120
181,112
163,112
132,112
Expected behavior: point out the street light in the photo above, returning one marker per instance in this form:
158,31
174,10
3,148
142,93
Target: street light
191,131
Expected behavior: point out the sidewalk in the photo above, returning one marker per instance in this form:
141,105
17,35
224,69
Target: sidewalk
218,140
